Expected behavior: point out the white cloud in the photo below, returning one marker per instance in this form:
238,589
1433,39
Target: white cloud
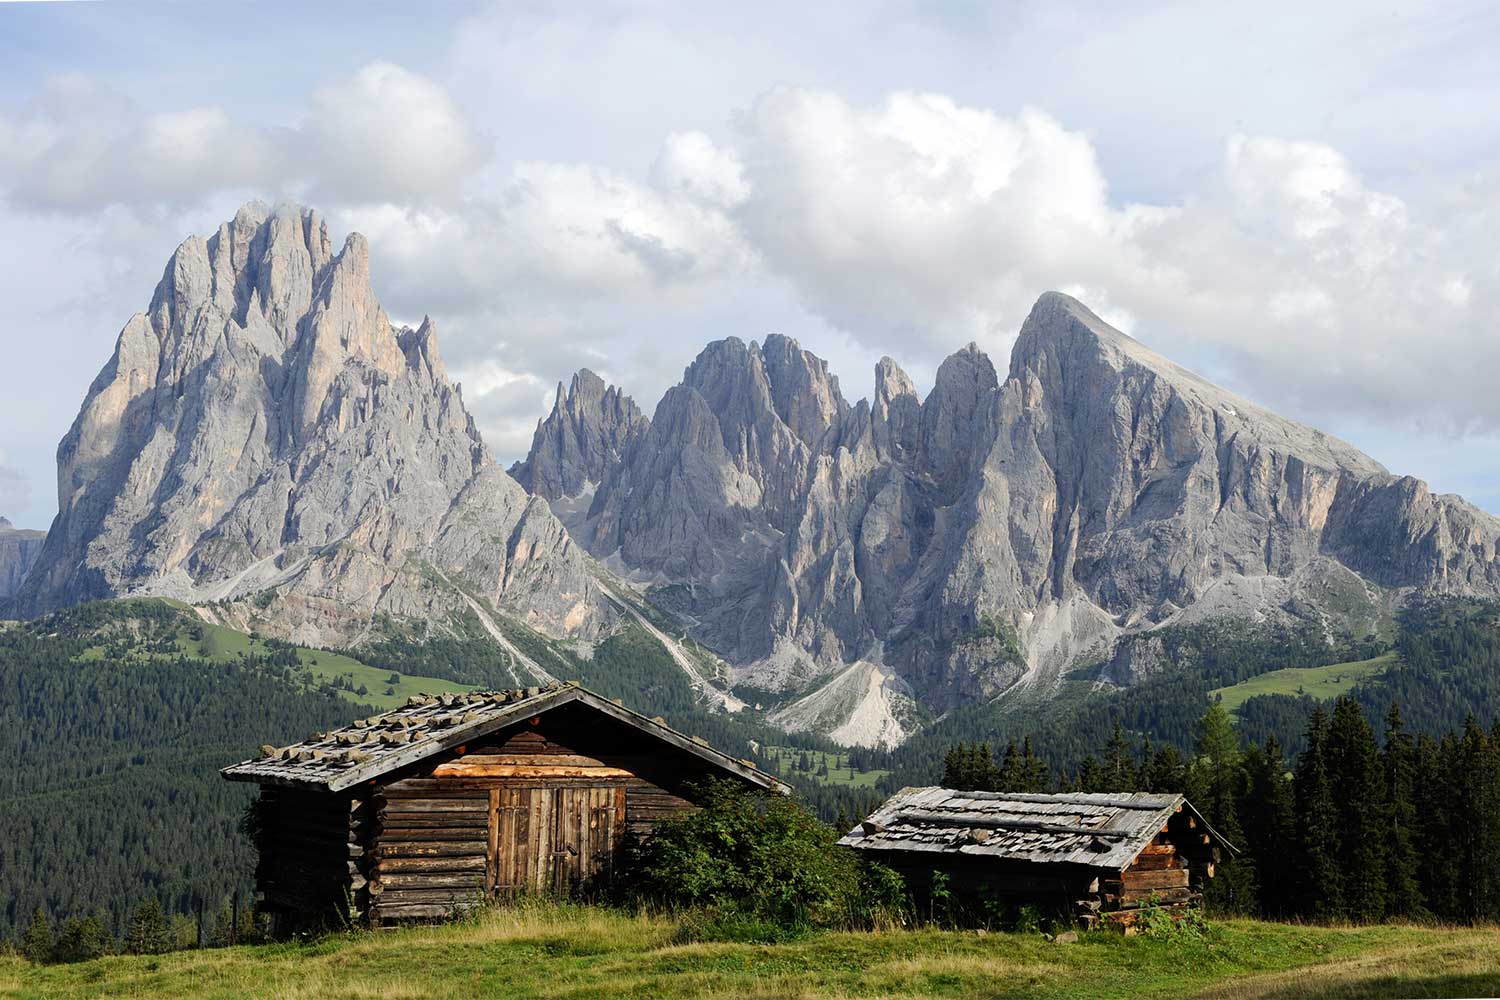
388,134
867,222
383,134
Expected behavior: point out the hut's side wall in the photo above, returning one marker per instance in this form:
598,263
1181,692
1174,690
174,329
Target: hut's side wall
973,884
539,806
309,870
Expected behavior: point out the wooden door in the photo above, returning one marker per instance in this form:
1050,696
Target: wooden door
557,839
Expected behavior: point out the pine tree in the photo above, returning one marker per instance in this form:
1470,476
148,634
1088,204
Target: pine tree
1118,773
148,929
1269,819
36,943
82,940
1012,777
1090,775
970,768
1037,776
1437,830
1476,811
1398,766
1320,890
1215,780
1164,772
1354,770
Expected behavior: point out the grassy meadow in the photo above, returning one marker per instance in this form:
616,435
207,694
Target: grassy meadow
784,761
552,951
1321,683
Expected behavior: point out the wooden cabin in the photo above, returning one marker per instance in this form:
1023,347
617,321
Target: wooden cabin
448,801
1087,856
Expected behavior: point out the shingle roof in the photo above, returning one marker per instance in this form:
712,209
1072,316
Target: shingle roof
429,724
1099,830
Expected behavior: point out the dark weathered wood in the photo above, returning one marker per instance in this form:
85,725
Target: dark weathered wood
1162,879
462,863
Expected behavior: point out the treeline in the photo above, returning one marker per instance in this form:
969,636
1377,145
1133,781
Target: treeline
1189,663
113,798
1357,828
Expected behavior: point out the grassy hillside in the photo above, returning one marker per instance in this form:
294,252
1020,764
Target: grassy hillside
786,761
204,641
1320,683
573,952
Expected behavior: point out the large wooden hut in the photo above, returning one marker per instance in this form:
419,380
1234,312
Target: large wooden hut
1089,856
449,800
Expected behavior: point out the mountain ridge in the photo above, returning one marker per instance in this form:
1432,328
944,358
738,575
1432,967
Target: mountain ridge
1097,489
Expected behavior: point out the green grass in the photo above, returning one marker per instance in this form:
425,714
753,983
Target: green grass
220,643
783,760
1321,683
572,952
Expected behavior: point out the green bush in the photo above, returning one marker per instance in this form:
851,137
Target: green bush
760,866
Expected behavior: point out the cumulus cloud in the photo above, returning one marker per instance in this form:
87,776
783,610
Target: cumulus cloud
908,224
383,134
388,134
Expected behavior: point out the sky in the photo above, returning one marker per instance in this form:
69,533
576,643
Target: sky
1298,200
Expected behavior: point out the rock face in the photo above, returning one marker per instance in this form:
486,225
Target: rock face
583,437
18,551
264,429
861,558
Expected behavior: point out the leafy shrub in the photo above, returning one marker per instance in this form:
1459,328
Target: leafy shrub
754,861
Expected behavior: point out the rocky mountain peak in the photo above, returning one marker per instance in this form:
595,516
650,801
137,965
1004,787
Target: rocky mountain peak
954,414
896,413
589,428
263,428
805,395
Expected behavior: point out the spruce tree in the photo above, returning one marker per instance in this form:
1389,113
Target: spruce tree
1164,772
1214,781
1270,823
1117,772
82,940
1355,771
1476,815
148,929
1012,777
1398,766
1090,775
1037,775
1437,828
1320,889
36,943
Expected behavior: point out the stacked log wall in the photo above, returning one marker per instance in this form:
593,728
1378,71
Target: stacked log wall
311,856
539,806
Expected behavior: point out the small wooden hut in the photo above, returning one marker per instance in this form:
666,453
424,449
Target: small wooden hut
1088,856
449,800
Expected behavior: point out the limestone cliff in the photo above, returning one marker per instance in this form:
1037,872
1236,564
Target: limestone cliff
264,429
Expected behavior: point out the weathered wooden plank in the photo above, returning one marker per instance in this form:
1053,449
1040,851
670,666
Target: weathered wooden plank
412,912
429,880
473,804
472,865
544,772
422,834
421,849
1157,862
1163,879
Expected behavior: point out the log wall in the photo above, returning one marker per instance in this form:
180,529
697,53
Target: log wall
541,806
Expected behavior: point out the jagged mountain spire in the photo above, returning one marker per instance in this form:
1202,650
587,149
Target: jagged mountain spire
264,428
1002,529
